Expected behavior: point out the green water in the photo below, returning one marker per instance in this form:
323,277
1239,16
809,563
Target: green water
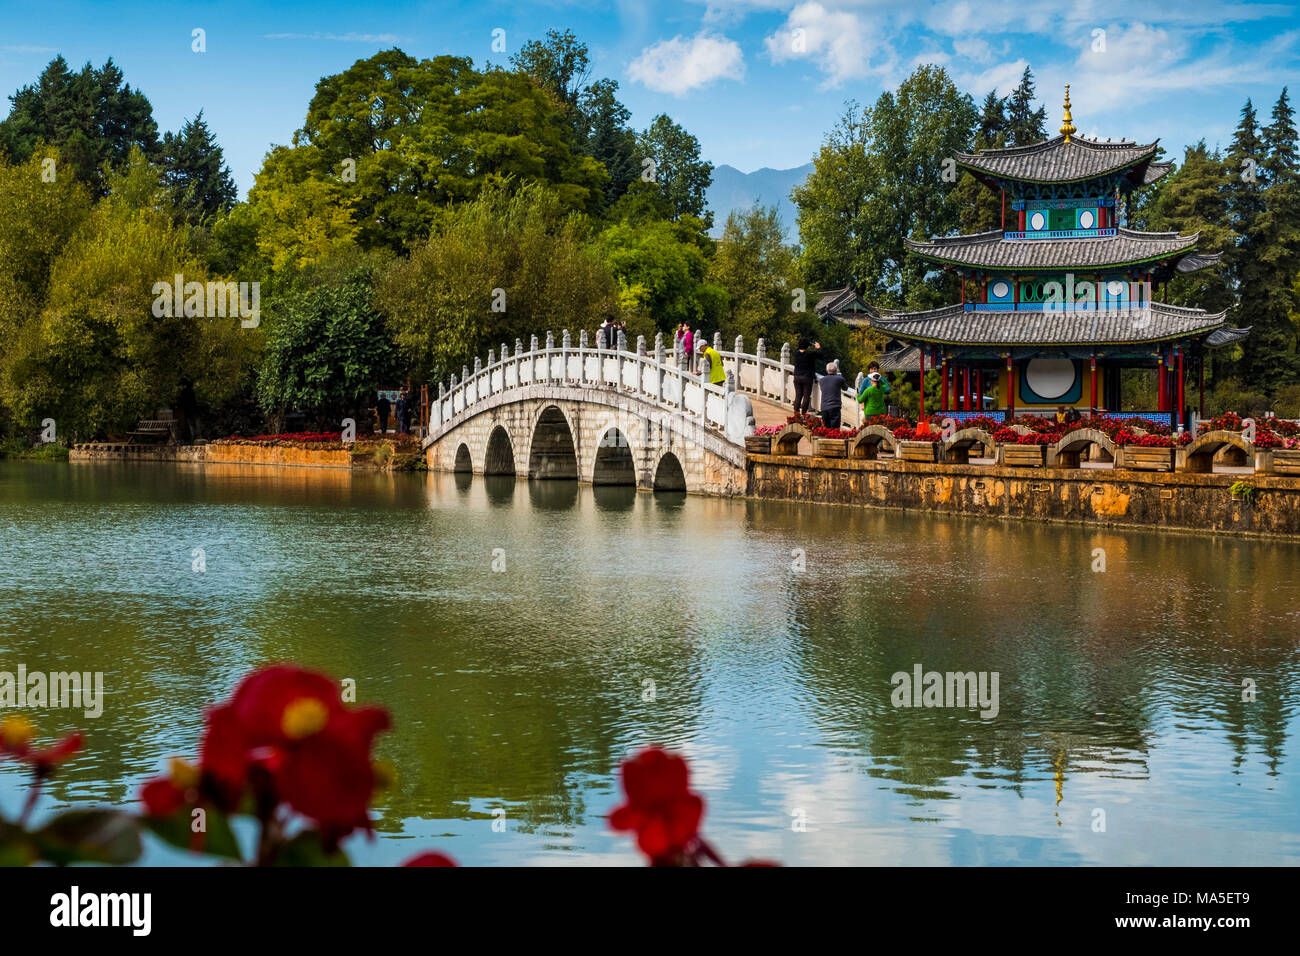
1119,691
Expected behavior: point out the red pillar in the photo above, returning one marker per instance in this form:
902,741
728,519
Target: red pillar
943,386
979,390
1178,416
1093,371
1022,220
1011,387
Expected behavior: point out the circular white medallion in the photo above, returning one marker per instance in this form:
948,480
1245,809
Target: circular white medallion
1050,378
1037,221
1086,219
1115,288
1001,290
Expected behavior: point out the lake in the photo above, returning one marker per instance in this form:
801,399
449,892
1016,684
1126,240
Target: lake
526,637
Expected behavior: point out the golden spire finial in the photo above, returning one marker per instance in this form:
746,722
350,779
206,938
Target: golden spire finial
1067,127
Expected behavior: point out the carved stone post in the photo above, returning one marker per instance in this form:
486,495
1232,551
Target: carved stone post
785,373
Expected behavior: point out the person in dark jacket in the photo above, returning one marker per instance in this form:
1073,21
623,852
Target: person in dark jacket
383,406
402,413
832,384
805,373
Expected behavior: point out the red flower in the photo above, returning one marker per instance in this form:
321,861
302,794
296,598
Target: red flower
660,807
430,859
161,797
15,740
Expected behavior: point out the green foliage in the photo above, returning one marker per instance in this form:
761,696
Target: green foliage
196,174
679,172
327,348
519,239
876,182
660,274
1228,395
757,270
1243,490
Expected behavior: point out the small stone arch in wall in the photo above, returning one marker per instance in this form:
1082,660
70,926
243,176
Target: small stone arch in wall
464,464
956,450
1065,453
866,443
1198,455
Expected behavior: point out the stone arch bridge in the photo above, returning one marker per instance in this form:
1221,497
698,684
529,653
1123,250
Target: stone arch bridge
608,416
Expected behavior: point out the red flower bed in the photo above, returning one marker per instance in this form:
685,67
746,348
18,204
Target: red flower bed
807,420
1006,435
1037,438
1154,441
906,433
835,432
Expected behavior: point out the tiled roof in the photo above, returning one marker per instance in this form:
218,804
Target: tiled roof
988,250
954,325
1226,336
901,360
1057,161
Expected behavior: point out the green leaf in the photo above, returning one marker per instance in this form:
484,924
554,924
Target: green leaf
218,840
307,849
16,847
89,836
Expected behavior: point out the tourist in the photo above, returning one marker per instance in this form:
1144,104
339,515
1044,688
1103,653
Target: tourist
874,393
688,344
713,361
805,373
604,334
832,384
1060,415
401,410
383,406
1071,415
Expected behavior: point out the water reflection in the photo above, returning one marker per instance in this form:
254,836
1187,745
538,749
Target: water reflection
758,637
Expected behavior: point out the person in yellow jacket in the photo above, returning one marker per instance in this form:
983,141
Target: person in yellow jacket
717,374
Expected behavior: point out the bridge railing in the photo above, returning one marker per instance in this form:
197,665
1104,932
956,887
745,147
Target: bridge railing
663,377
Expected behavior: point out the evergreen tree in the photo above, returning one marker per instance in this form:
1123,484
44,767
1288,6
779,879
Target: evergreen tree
1278,141
91,117
608,139
1025,125
193,170
981,207
679,172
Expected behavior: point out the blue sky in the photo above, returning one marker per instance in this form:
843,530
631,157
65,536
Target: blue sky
758,81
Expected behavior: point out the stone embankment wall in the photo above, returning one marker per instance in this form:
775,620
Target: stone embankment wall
220,453
1193,502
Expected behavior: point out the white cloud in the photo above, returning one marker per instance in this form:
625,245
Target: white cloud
839,42
682,64
973,48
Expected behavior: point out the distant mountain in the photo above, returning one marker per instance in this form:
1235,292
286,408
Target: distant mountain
732,189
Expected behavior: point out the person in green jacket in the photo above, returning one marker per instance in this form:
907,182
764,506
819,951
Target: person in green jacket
717,374
875,389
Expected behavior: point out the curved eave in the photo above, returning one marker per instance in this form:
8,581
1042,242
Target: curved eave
997,179
930,252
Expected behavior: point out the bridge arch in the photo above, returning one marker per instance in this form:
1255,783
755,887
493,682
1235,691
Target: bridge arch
1198,456
1065,453
614,463
786,441
499,458
464,463
552,453
669,474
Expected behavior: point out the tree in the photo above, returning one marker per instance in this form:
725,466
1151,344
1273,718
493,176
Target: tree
511,263
1025,125
878,181
609,140
757,270
98,357
680,174
1192,200
558,64
195,172
327,348
981,207
91,117
401,138
1278,141
660,271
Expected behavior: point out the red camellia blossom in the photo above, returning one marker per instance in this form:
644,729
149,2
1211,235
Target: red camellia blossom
16,741
660,807
161,797
430,859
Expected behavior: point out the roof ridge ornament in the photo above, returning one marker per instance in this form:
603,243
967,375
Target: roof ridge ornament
1067,124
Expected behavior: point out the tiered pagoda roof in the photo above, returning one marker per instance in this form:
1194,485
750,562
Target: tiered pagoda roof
1066,159
992,251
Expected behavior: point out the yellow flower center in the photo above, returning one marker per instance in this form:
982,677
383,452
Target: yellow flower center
16,731
304,717
184,775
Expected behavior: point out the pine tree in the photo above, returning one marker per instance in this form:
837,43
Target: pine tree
1025,125
193,170
981,207
92,117
1278,141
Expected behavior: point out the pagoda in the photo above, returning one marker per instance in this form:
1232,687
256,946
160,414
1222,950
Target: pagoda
1058,301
